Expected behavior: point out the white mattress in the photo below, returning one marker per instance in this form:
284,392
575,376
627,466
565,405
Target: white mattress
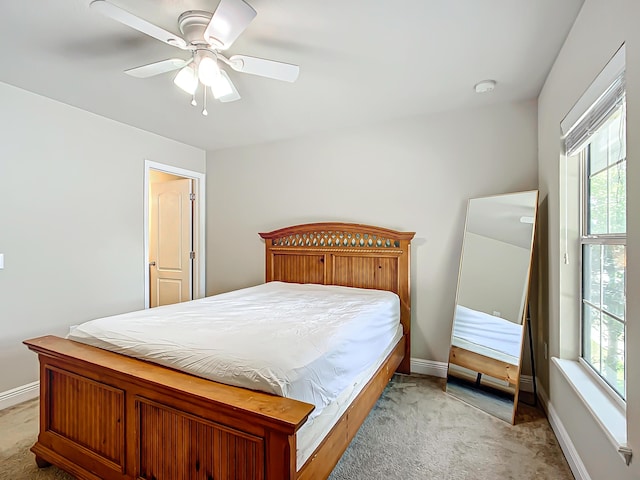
487,335
307,342
315,429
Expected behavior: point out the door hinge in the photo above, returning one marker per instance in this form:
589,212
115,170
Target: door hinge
192,196
192,255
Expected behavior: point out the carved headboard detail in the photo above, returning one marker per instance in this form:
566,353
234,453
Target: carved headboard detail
335,239
346,254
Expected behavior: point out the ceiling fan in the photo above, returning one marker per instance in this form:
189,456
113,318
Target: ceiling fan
205,35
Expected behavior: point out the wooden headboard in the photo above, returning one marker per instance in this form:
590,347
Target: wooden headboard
346,254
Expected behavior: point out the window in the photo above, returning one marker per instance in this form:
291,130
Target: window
592,275
603,249
594,134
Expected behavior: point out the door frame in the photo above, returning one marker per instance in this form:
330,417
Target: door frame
199,227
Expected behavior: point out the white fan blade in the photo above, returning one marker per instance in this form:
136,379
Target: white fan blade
223,89
109,10
265,68
156,68
227,23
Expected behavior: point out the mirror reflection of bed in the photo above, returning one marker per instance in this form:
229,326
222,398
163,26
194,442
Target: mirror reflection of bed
490,313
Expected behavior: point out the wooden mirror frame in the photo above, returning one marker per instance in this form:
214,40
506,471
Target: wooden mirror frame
482,364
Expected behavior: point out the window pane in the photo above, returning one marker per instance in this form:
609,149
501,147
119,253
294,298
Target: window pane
599,150
616,137
598,196
606,168
591,273
618,198
613,353
613,279
591,341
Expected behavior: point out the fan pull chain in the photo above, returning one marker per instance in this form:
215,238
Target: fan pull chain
204,110
193,95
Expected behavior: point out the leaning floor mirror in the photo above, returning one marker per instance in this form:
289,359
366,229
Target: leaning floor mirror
491,302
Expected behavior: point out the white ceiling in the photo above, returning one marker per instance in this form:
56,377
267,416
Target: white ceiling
361,61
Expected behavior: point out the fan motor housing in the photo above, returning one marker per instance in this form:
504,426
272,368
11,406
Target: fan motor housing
192,25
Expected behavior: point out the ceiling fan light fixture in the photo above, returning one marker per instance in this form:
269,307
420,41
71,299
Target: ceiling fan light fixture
187,80
208,70
205,34
223,89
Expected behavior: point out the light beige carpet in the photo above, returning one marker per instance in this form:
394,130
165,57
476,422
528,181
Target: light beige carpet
415,432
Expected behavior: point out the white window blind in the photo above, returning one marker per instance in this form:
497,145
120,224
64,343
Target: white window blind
604,95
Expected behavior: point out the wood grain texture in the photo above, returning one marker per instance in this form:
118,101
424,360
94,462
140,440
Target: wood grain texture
485,365
198,449
102,430
107,416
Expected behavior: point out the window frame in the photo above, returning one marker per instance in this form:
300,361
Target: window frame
585,238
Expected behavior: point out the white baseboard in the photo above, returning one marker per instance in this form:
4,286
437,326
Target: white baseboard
526,383
19,394
429,367
571,454
439,369
544,399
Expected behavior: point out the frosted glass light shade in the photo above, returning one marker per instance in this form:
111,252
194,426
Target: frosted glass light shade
208,71
187,79
223,89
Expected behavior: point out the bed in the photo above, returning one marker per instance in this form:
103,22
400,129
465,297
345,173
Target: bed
159,423
486,344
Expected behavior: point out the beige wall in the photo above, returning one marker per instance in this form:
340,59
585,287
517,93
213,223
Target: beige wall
599,30
414,174
493,276
71,220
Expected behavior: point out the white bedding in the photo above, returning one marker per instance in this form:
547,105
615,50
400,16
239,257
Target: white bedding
315,429
487,335
307,342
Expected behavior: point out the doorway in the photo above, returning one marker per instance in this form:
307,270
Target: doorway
174,234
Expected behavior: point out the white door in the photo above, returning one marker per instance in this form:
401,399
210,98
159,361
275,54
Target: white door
170,242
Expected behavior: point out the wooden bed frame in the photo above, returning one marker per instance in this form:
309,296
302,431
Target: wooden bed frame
107,416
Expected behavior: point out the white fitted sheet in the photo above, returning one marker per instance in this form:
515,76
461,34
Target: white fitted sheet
303,341
315,429
487,335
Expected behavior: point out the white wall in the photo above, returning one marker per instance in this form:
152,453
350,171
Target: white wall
415,174
599,30
71,220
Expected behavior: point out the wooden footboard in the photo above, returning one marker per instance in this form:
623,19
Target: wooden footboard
107,416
